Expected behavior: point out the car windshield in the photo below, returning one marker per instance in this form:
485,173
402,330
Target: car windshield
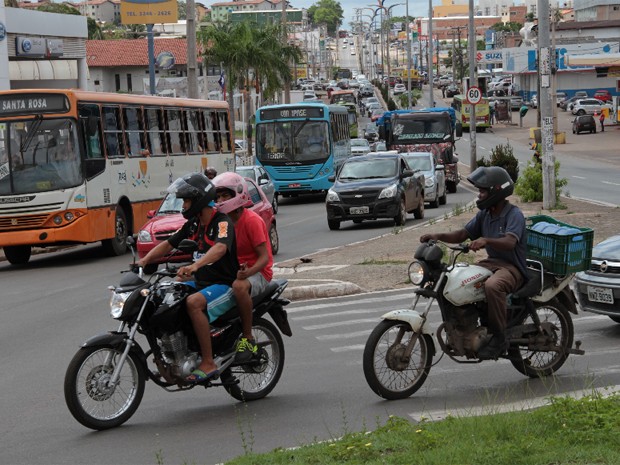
170,205
39,155
419,163
246,172
359,143
292,141
369,169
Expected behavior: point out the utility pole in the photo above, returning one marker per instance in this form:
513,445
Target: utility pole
544,71
471,45
192,81
287,80
408,29
431,98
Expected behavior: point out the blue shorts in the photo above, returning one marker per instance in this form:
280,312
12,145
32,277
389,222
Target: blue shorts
220,299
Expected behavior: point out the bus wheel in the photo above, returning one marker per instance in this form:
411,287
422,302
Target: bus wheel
17,254
117,245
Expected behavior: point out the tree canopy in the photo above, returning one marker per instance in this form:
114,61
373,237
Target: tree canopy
327,12
510,26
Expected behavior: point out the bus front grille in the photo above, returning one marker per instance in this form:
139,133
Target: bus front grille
22,222
293,169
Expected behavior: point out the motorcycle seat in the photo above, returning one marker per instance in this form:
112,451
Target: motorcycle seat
532,287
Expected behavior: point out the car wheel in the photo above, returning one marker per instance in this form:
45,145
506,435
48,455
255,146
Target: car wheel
401,218
418,213
274,239
581,112
274,204
444,198
594,131
574,132
334,225
435,202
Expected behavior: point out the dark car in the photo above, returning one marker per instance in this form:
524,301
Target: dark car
567,101
584,123
374,186
452,90
371,133
598,289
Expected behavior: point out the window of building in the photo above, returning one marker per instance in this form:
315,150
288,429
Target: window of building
117,81
129,86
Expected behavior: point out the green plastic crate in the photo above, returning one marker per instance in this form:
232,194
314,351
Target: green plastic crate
560,254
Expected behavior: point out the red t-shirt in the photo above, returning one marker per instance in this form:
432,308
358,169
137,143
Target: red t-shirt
250,232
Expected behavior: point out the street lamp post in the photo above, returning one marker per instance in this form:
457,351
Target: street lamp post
408,32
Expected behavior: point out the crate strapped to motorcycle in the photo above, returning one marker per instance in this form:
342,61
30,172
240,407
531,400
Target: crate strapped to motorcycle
561,248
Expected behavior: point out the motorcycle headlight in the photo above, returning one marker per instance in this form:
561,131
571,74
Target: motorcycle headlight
332,196
389,192
117,302
418,273
144,236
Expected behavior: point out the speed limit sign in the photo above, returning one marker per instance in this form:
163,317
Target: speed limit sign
474,95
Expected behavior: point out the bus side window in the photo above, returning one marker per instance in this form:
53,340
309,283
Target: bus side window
155,131
192,132
90,119
209,131
134,132
225,131
175,132
215,124
113,132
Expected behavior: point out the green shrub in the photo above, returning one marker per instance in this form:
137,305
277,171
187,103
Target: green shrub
391,105
503,156
529,187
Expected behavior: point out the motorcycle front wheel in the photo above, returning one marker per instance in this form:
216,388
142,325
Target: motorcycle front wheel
87,393
387,373
258,377
536,363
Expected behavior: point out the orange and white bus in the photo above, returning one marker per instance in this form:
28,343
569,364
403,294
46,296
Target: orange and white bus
78,167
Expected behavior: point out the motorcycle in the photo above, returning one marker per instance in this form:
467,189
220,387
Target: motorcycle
399,352
105,380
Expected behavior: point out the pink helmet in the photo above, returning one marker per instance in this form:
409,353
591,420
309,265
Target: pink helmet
237,186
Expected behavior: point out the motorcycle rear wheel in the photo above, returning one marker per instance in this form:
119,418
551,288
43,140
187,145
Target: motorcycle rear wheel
259,377
538,364
86,393
387,374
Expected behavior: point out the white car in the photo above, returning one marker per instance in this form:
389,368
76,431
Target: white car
434,176
311,97
360,147
588,106
399,89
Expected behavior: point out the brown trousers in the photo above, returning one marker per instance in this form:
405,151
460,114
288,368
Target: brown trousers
506,279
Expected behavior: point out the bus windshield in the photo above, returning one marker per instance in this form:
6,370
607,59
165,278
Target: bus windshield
297,142
343,98
38,155
422,130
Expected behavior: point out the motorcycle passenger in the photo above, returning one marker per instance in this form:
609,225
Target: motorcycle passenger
214,267
499,228
253,253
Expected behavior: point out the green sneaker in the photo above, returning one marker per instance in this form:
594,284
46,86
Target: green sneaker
245,349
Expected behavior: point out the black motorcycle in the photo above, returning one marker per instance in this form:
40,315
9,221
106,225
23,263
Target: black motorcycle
105,380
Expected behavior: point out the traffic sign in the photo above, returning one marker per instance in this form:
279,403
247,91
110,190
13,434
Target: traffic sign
474,95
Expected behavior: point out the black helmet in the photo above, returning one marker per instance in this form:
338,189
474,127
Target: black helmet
197,188
496,180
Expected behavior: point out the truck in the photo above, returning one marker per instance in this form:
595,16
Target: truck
426,130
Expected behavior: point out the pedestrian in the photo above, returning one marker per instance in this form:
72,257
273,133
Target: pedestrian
492,111
443,91
602,120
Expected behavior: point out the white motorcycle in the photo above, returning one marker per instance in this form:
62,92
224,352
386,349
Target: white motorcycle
399,352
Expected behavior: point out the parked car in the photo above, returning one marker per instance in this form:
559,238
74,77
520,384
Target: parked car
434,176
581,94
374,186
359,147
603,96
167,219
259,175
399,89
559,97
584,123
598,289
452,90
516,102
588,106
568,102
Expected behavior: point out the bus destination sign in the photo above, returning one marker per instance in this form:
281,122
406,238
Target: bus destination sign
291,112
15,105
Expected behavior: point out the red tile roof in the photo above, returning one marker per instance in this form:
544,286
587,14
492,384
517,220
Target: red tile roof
132,52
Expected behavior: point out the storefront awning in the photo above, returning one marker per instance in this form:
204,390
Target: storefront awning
42,70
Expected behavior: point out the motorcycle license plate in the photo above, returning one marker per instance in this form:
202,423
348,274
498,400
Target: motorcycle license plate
358,210
601,295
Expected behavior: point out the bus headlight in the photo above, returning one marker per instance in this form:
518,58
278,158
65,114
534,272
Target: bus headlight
418,273
144,236
69,216
389,192
332,196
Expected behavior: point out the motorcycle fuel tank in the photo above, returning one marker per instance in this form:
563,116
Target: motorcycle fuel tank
465,284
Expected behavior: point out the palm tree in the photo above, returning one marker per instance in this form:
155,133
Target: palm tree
243,48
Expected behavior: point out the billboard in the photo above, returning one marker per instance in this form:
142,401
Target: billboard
149,11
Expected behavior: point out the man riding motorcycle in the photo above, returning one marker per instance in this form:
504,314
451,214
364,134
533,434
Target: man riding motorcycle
215,263
499,228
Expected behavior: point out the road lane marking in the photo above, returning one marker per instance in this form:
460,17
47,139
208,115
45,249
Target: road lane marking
335,324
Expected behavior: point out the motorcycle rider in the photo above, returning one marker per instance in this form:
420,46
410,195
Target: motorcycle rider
253,253
499,227
214,267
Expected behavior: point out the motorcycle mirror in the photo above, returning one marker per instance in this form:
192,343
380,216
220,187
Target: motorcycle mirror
188,246
130,242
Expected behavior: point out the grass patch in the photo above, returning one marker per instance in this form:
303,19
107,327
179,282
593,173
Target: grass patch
566,432
374,261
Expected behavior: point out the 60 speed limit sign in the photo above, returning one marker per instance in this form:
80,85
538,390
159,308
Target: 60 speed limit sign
474,95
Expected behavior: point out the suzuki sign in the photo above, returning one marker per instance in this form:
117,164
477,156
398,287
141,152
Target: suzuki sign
489,56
